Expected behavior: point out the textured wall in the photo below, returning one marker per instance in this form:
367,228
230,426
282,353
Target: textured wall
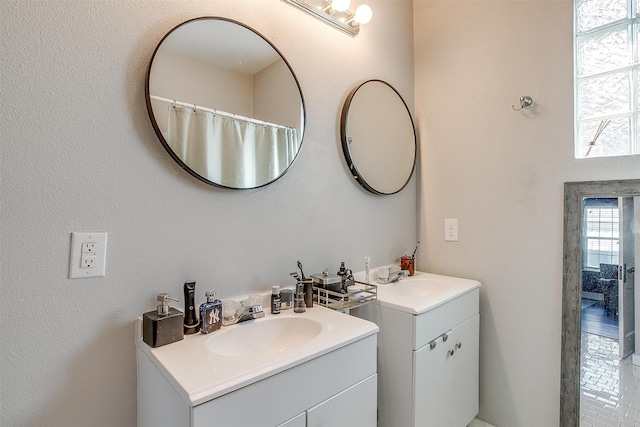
78,153
501,173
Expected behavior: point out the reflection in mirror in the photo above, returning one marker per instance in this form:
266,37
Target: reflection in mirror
601,237
378,137
225,103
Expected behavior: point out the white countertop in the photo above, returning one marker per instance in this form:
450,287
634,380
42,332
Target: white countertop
423,292
199,375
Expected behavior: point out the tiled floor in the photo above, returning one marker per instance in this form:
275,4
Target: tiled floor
610,387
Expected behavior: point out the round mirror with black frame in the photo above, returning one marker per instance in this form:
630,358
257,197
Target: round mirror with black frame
378,137
225,103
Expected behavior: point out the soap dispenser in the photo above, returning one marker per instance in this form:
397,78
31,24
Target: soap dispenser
164,325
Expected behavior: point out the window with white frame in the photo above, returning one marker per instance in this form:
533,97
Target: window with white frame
601,232
607,85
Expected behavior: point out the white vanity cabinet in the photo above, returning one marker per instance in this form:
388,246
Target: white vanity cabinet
325,383
428,361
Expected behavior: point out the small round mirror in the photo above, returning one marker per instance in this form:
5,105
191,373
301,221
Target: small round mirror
225,103
378,137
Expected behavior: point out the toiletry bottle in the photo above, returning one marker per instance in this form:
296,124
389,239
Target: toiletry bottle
298,302
286,299
367,262
308,293
191,325
275,300
163,325
210,313
343,273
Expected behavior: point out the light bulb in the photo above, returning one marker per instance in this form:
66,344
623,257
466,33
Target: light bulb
340,5
363,14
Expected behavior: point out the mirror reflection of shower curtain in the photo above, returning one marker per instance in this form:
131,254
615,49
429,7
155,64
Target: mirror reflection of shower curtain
231,152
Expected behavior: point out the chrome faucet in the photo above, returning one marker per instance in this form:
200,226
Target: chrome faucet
394,276
251,309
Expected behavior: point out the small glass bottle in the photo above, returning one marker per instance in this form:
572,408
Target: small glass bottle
275,300
210,314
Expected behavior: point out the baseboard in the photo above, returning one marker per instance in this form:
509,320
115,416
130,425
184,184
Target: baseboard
636,359
479,423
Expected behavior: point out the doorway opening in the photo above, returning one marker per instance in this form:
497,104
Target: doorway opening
607,381
608,259
600,265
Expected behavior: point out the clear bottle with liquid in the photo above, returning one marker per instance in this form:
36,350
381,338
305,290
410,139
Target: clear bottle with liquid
299,305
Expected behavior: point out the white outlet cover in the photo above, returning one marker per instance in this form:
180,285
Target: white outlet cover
451,230
76,271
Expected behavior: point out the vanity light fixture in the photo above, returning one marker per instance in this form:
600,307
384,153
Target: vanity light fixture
336,13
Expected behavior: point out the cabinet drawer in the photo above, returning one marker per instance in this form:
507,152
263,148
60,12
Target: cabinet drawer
276,399
354,407
432,324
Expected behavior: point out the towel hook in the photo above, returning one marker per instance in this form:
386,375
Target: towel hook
526,102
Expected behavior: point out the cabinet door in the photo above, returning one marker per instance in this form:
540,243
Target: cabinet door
466,372
446,381
432,386
354,407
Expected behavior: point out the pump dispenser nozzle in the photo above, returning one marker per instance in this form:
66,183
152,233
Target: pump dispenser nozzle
164,306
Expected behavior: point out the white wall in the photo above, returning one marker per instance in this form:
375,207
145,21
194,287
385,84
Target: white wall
78,153
184,78
276,83
501,173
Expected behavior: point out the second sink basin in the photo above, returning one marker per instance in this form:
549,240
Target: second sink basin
423,291
264,336
418,287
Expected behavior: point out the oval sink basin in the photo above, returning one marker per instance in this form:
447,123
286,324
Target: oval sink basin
264,336
417,287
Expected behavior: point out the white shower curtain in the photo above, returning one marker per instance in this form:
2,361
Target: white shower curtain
230,152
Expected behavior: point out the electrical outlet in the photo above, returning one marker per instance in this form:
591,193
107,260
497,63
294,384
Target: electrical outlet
88,255
89,247
451,230
88,262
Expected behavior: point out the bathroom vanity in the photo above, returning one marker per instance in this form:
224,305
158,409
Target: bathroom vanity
428,350
309,369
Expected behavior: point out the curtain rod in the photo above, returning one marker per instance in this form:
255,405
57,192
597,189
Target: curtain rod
218,112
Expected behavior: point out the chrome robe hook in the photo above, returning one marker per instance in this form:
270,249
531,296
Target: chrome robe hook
526,102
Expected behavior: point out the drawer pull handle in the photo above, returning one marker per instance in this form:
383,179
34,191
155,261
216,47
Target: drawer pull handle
432,344
445,337
459,345
451,352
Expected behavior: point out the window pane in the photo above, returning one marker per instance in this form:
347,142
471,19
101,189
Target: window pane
613,141
604,95
637,135
606,51
594,13
637,30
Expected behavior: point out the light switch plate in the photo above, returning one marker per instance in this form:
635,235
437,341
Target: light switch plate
88,255
451,230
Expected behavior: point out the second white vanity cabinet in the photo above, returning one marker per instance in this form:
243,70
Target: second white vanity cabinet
428,354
